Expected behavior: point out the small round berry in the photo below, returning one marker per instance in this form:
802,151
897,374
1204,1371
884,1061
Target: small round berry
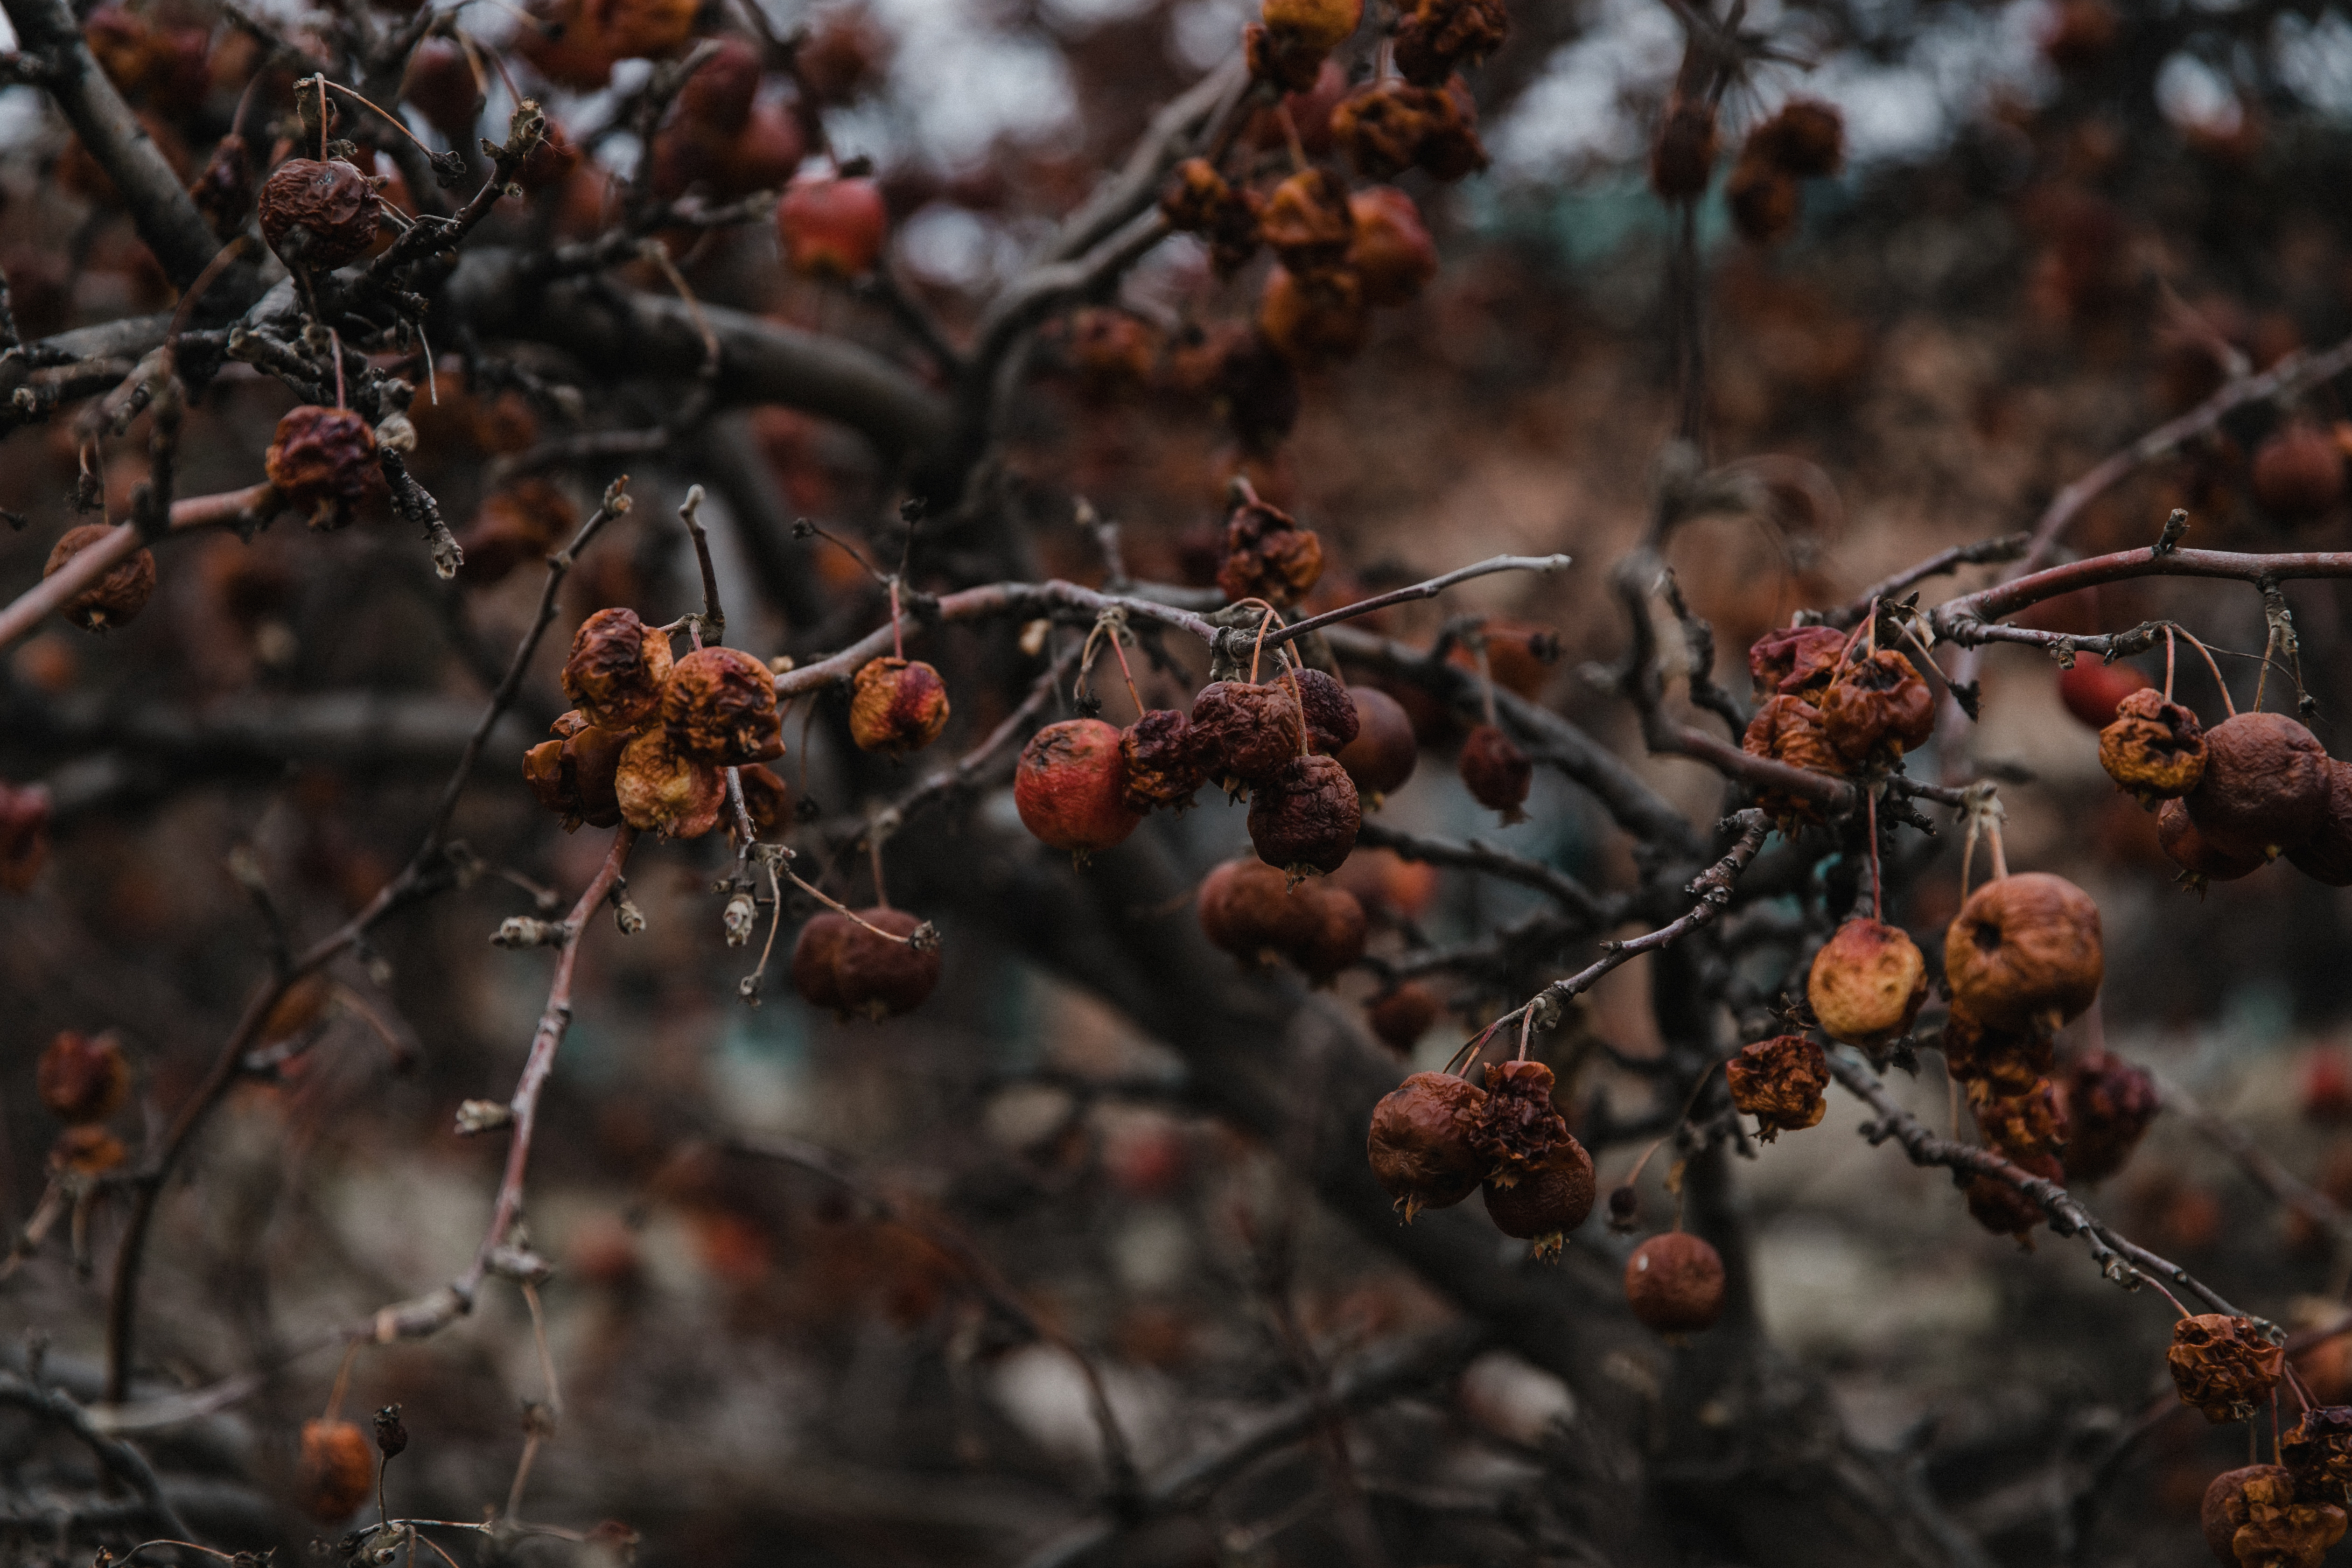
1307,223
1392,254
1806,139
1304,816
1787,729
2264,789
2326,856
898,705
2093,691
1764,201
1337,941
1070,788
2106,1104
120,592
1331,721
1249,908
1382,755
1496,773
2299,473
832,227
1313,24
1675,1283
814,951
337,1473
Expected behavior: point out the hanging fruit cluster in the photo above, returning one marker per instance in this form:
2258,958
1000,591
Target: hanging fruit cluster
1832,703
1436,1139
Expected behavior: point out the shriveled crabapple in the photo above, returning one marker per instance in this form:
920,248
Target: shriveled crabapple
2199,860
573,775
319,215
1163,762
1112,351
1867,983
719,705
337,1471
1250,910
1281,59
2152,746
616,670
2270,1521
2224,1365
1423,1147
323,462
1875,705
1304,817
2001,1209
722,89
1682,155
1781,1082
2299,472
1070,788
1313,24
1517,1123
1796,661
519,524
1199,201
2326,856
1435,37
1764,200
1382,757
1401,1015
24,834
1246,729
830,227
2024,952
82,1077
1997,1062
2224,1511
662,790
767,801
1391,255
1336,940
1550,1199
1805,139
2107,1104
2022,1126
2093,690
1675,1283
1390,126
897,706
2318,1451
1307,222
1787,729
1495,772
120,592
2264,789
880,978
1312,319
814,951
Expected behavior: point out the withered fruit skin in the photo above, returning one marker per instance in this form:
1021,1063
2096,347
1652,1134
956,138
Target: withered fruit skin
2002,1208
2318,1451
1420,1145
616,670
1997,1061
1781,1082
2265,786
2025,949
1519,1122
1337,940
319,215
720,704
1877,703
1382,757
662,790
877,977
1675,1283
337,1472
897,706
1794,661
1399,1018
323,461
2022,1126
1553,1195
1163,757
2326,856
1495,772
1070,788
2106,1105
120,592
1306,817
1435,36
2154,748
814,951
1787,729
1267,555
1247,729
2176,834
2223,1365
1330,710
1308,224
2224,1508
1249,908
1867,983
2283,1528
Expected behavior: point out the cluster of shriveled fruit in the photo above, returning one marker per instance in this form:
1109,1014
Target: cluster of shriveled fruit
650,736
1806,140
2232,799
1436,1139
2284,1515
83,1079
1830,705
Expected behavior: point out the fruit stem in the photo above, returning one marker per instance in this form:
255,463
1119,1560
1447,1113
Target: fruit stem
1128,675
837,907
897,632
335,347
1527,1032
1290,135
1877,907
2219,685
874,851
2000,861
342,1381
2293,1381
2262,676
1259,647
1486,678
322,80
2171,648
1459,1063
392,120
2167,1294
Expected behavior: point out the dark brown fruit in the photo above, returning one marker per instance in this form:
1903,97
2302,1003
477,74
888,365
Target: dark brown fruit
2265,786
767,800
319,215
1401,1017
1199,201
1280,60
1336,940
82,1077
2025,952
1789,729
1867,983
337,1472
1550,1198
2002,1208
1306,223
2299,473
719,705
1995,1061
617,669
323,461
898,705
2155,747
88,1150
1422,1146
1318,25
1390,126
1806,139
878,977
1304,816
1496,773
1163,757
1795,661
1763,200
2106,1104
2225,1509
2191,850
1781,1082
573,775
662,790
1681,158
1247,729
1675,1283
2023,1127
1313,318
1331,721
1070,788
120,592
519,524
1437,38
1392,256
2259,1517
1250,910
1381,756
2326,856
2225,1366
2318,1451
814,951
1518,1123
1877,706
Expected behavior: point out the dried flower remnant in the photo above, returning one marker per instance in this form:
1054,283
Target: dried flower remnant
2025,952
1675,1283
2224,1365
2154,748
897,706
1423,1146
1781,1082
1390,126
1995,1061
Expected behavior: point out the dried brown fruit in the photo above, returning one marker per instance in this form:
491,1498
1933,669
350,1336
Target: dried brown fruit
1307,222
1313,318
2281,1529
1247,729
2026,950
337,1472
814,951
2002,1209
2023,1127
1805,139
2225,1366
1304,816
2154,748
2299,473
440,85
877,977
521,522
323,461
1867,983
2196,856
1681,158
24,834
1390,126
1797,661
2318,1451
1250,910
1392,256
83,1078
898,705
1268,556
1313,24
662,790
1675,1283
2225,1509
1551,1197
2265,785
1422,1144
1070,788
573,774
1496,773
1763,200
86,1150
1331,721
1336,940
1381,756
1877,705
767,801
2107,1104
120,593
1199,201
319,215
723,89
1438,37
1400,1015
1114,352
1789,729
720,704
2002,1061
2326,856
617,668
1162,758
1781,1082
1518,1123
1280,60
845,55
832,227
